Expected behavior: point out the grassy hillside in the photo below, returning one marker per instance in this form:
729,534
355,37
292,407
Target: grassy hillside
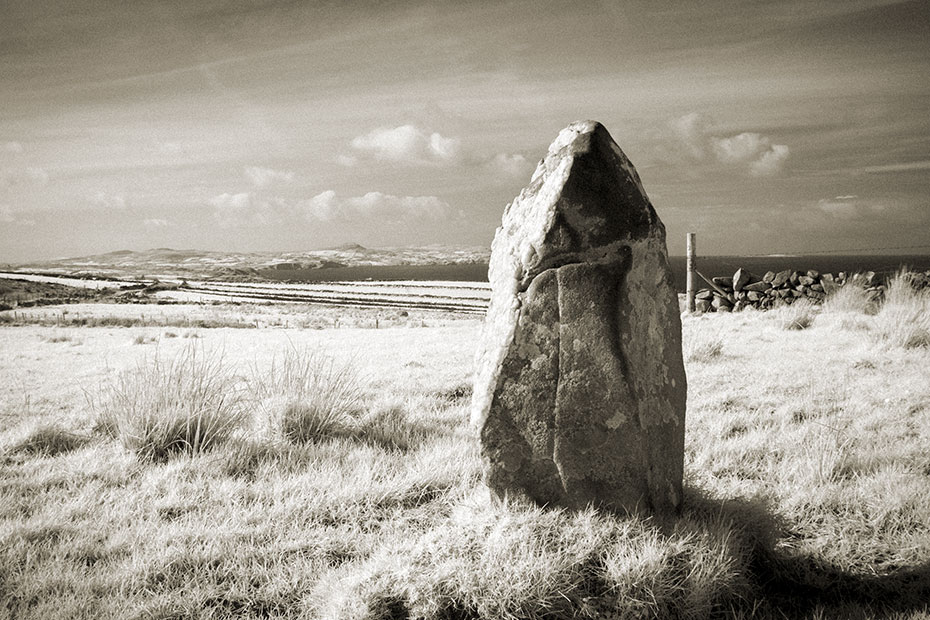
302,473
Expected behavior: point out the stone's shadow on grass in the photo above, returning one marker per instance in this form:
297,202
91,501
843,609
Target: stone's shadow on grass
795,585
510,559
801,584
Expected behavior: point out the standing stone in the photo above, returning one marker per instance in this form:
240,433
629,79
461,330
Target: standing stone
580,388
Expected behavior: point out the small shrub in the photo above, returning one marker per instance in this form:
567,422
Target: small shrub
186,404
306,395
170,335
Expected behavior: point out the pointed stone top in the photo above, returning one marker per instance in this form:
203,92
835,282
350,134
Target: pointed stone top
585,200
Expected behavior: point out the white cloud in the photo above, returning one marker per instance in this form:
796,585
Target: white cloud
328,207
13,147
231,202
406,144
347,160
752,151
443,148
233,210
156,223
111,201
756,150
245,209
262,177
512,164
690,130
739,148
770,162
850,206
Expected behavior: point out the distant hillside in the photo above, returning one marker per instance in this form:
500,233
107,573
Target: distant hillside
253,265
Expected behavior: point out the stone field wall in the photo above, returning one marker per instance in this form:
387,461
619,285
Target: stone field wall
744,289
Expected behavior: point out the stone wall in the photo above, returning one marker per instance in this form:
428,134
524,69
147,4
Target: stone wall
744,289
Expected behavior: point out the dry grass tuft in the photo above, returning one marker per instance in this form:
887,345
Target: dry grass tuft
904,319
186,404
852,298
307,395
797,316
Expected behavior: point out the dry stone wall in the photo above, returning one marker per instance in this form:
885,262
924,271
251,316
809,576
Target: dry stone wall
744,289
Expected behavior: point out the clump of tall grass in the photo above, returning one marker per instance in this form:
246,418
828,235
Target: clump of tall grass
851,297
307,394
904,318
799,315
185,404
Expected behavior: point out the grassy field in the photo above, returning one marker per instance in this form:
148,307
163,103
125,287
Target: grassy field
331,473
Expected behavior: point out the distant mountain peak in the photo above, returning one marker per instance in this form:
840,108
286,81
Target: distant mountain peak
350,247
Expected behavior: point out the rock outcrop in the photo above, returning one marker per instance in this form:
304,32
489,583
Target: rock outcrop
580,388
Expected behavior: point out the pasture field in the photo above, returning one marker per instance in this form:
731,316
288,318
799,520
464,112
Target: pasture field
450,296
807,473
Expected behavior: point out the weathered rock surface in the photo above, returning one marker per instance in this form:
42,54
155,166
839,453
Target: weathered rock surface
580,388
781,278
740,279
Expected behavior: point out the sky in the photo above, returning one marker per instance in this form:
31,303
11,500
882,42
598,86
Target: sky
786,126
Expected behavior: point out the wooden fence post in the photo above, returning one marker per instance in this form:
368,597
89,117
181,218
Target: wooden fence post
691,267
